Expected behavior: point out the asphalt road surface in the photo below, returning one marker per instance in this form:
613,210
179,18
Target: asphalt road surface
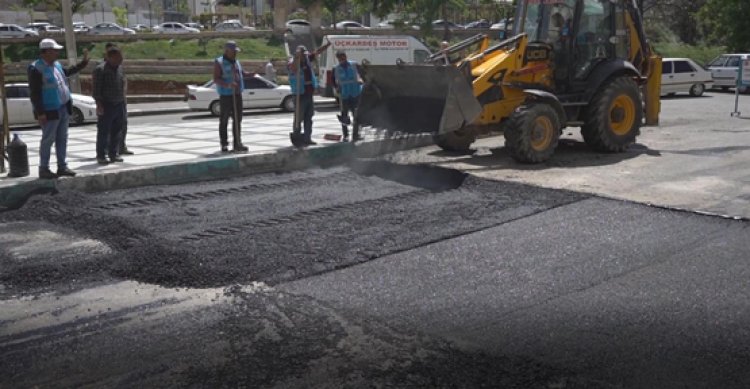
379,275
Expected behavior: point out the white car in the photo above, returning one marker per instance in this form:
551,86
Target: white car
298,26
15,31
259,93
351,25
175,28
232,26
110,29
682,75
80,27
21,112
725,69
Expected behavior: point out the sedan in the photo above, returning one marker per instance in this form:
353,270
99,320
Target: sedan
15,31
441,24
50,30
232,26
351,25
298,26
682,75
21,113
259,93
110,29
482,23
175,28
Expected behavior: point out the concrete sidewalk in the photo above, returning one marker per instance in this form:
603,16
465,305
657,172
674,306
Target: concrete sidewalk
188,150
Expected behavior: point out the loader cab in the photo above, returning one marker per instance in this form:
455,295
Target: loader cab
581,34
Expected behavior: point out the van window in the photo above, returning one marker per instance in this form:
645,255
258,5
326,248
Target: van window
734,61
420,56
683,67
666,67
720,61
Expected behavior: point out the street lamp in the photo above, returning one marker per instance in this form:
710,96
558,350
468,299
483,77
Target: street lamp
150,16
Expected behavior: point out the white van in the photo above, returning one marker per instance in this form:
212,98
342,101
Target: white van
377,49
725,69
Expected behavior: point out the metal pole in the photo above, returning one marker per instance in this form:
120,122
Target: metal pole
70,44
5,133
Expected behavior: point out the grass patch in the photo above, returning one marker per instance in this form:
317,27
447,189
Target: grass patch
252,48
700,54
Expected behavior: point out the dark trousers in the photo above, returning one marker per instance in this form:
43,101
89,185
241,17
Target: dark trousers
226,103
109,129
306,111
349,104
124,131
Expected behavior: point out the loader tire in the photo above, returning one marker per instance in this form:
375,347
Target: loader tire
614,117
457,141
532,133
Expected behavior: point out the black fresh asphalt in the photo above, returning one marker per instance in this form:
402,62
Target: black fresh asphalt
387,275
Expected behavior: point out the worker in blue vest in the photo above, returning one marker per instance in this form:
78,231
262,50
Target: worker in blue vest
229,81
52,104
304,84
349,86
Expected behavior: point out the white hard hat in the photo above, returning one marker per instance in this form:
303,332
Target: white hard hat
48,43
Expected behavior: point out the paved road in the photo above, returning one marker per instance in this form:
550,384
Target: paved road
378,275
698,159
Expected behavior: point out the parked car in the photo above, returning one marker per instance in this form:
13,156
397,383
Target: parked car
683,75
725,69
440,24
80,27
392,24
350,25
259,93
15,31
232,26
482,23
298,26
195,25
175,28
140,28
36,25
50,30
20,111
110,29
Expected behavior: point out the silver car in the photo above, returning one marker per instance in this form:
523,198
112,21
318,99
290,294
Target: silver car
110,29
175,28
15,31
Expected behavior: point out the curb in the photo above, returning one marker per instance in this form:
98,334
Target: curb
165,111
168,174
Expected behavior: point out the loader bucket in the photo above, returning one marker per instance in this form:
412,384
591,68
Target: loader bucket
416,98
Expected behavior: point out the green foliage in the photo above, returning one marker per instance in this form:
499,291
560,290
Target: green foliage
252,48
725,22
121,15
700,54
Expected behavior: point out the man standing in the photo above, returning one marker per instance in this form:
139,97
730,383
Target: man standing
50,97
228,77
304,83
109,93
270,71
348,85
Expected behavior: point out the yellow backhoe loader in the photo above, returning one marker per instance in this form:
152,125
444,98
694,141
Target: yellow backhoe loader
568,63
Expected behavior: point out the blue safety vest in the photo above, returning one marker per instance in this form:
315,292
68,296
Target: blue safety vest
227,75
298,88
50,96
346,79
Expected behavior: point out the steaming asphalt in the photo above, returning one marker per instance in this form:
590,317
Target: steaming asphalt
369,275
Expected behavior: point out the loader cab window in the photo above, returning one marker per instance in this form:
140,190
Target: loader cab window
420,56
592,39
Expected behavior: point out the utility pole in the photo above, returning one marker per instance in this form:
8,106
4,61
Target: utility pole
5,133
70,43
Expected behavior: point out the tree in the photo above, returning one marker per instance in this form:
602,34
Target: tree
332,6
725,21
76,6
121,15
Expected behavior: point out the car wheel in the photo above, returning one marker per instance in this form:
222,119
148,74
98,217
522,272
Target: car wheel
724,88
76,117
215,108
288,104
697,90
